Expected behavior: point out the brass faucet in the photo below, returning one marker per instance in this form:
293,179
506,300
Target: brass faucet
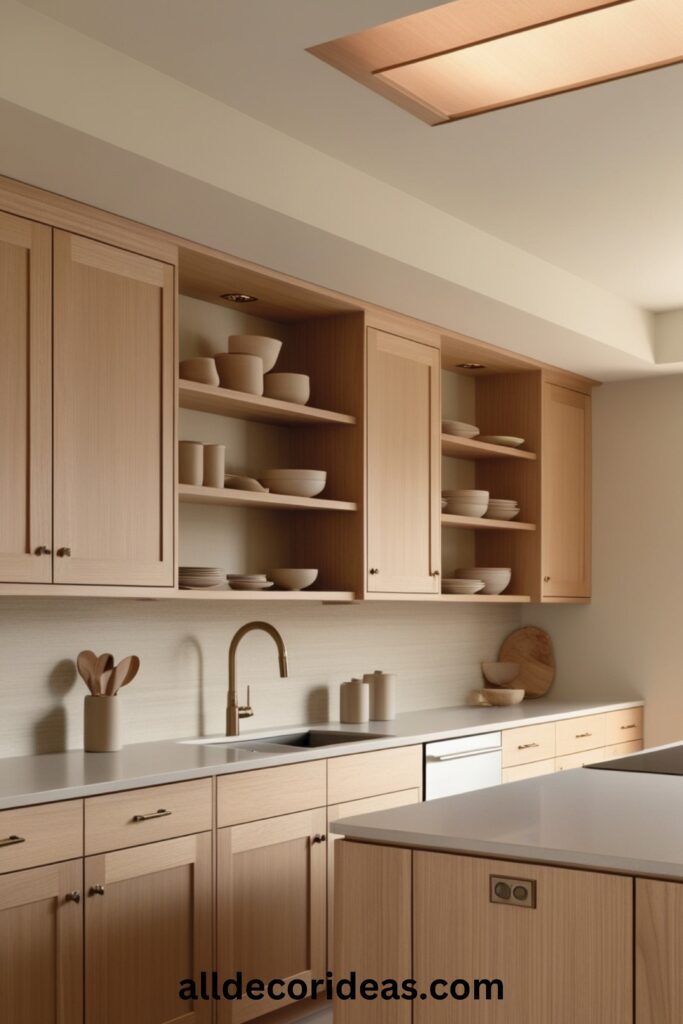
235,711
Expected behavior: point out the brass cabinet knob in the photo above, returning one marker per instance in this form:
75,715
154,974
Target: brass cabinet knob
319,837
373,572
436,573
43,550
73,897
97,890
546,579
64,552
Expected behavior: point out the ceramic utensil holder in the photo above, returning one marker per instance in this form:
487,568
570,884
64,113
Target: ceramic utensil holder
191,463
354,702
102,724
382,696
214,465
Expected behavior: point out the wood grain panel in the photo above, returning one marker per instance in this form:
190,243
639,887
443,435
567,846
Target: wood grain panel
372,931
529,771
567,960
41,946
25,401
623,726
110,819
576,734
357,776
268,792
659,951
113,404
148,930
50,832
581,758
530,743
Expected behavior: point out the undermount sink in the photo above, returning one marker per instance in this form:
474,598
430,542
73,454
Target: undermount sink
289,741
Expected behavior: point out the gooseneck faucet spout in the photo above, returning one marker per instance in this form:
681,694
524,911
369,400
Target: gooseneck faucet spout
235,711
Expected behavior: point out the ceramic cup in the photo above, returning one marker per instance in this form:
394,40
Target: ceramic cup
101,724
240,372
191,463
214,465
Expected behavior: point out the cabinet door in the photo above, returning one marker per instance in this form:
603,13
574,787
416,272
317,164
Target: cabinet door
659,952
271,905
25,401
566,526
148,929
113,415
403,466
41,945
568,959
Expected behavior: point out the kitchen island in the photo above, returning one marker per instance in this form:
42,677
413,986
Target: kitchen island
566,889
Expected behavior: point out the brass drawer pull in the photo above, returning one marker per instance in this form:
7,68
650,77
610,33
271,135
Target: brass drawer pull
73,897
97,890
161,813
526,746
632,726
583,735
12,840
319,838
43,550
64,552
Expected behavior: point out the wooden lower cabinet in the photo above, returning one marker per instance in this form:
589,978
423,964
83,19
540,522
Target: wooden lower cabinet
567,960
41,945
659,952
148,921
271,903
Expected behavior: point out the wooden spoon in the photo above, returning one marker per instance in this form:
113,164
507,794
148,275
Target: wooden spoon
106,683
104,663
126,671
85,663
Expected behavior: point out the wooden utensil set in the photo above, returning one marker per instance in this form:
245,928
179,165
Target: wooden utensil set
102,677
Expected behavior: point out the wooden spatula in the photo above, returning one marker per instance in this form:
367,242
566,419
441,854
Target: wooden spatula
125,672
85,663
104,663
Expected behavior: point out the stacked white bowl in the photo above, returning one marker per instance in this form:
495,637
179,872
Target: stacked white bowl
459,429
193,577
245,581
466,503
304,483
502,508
495,580
454,586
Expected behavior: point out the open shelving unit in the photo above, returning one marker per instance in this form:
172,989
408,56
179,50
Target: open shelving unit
258,499
223,402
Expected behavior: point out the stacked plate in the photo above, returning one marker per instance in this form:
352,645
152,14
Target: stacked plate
459,429
502,508
461,586
495,580
466,503
193,577
246,581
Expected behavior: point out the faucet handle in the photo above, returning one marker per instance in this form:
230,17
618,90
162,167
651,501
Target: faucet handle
245,710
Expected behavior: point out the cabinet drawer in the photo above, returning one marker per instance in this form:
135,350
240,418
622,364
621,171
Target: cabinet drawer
381,771
577,734
532,743
623,726
270,792
622,749
578,760
529,771
31,836
138,816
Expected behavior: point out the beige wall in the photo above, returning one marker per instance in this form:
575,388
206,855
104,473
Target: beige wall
629,642
180,690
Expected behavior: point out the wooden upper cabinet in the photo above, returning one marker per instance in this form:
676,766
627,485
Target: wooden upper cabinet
566,469
113,415
25,401
41,945
403,465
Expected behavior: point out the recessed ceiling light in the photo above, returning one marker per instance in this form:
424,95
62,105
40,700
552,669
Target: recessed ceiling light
238,297
470,56
470,366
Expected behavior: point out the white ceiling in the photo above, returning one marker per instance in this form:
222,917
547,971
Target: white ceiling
590,181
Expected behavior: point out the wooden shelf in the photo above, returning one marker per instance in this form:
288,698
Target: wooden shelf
465,448
255,499
476,523
340,596
454,598
222,402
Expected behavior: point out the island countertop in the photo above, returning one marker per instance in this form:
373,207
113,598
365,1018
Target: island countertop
615,821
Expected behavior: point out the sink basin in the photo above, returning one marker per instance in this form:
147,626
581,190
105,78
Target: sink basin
287,742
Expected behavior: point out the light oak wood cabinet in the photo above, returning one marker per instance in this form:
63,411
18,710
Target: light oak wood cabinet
41,945
659,952
25,401
566,493
148,922
271,905
567,959
403,466
113,415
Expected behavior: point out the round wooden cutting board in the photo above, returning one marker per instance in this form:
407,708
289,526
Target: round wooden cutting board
532,649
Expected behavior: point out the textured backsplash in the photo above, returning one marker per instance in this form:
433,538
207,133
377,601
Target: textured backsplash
180,691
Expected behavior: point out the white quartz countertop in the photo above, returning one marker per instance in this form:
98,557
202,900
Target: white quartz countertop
43,778
606,820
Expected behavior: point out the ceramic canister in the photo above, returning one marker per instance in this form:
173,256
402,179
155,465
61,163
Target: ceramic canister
102,724
190,463
214,465
354,702
382,696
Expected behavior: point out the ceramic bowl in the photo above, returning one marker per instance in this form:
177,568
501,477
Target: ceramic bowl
201,371
288,387
244,483
240,372
459,429
299,487
476,510
503,439
495,580
498,698
505,514
467,495
500,673
267,349
293,579
461,586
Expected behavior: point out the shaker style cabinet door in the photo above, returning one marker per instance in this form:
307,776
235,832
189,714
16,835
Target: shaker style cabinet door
113,415
148,927
25,401
566,468
41,945
271,906
403,466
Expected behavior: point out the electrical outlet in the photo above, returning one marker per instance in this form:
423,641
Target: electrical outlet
512,892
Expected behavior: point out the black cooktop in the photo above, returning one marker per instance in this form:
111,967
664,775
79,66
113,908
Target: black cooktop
668,761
